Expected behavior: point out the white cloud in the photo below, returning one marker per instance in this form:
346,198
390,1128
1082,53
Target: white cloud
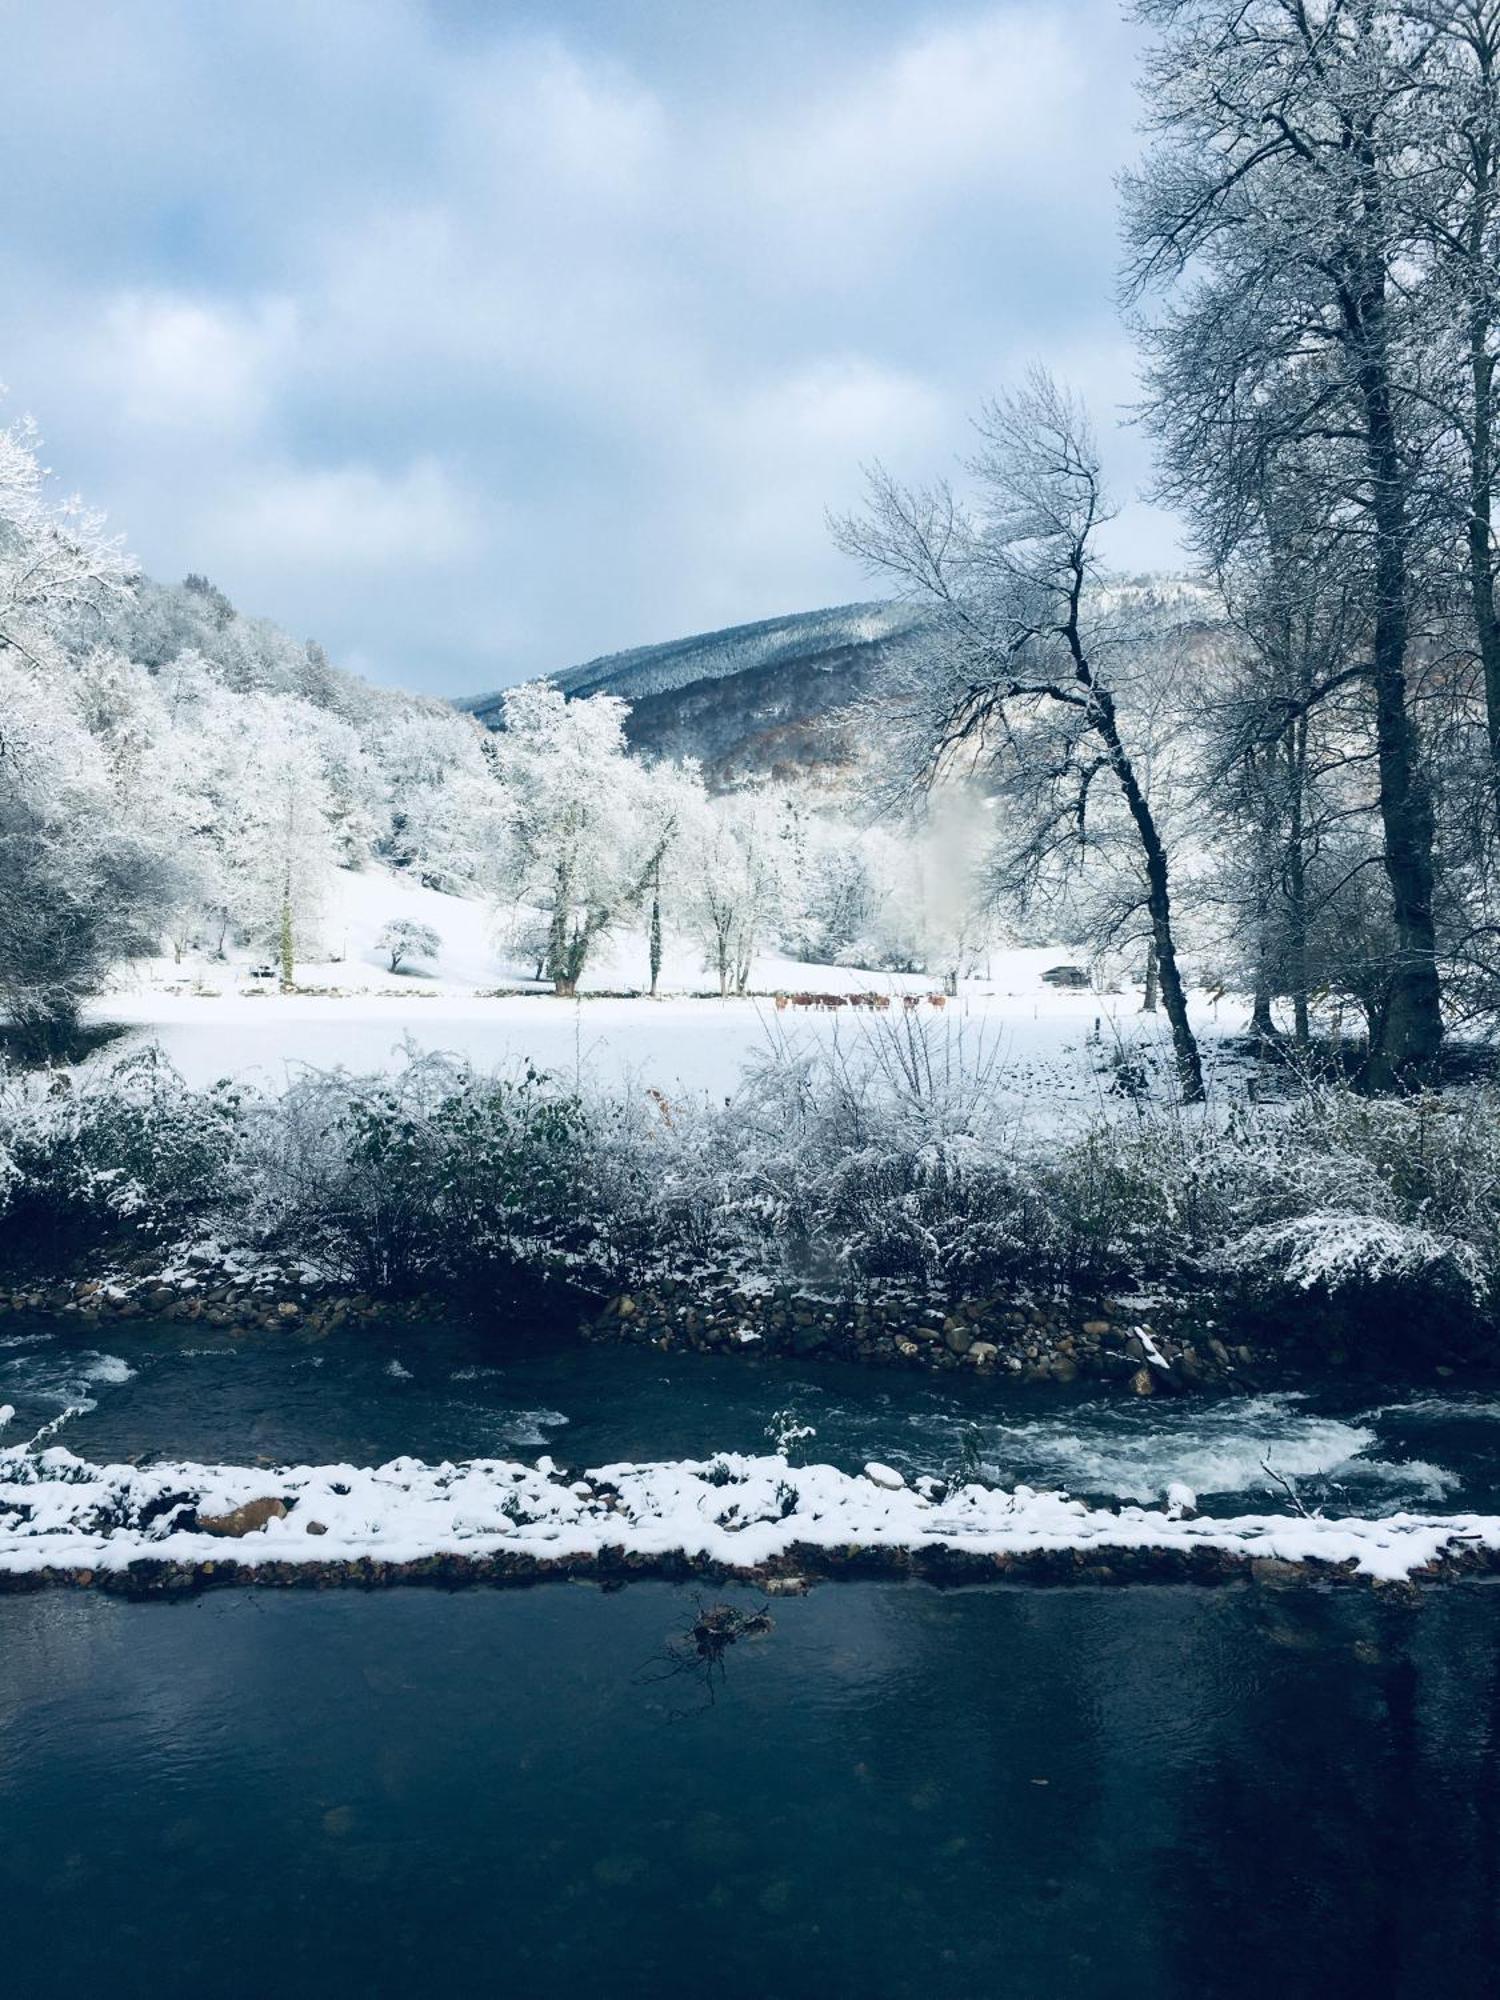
594,324
178,363
349,521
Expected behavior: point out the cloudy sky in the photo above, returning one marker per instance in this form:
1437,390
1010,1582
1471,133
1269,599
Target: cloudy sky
477,337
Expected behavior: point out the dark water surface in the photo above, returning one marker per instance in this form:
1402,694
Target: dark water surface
439,1392
1144,1791
998,1792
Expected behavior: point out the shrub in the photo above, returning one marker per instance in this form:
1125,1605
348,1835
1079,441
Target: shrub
115,1143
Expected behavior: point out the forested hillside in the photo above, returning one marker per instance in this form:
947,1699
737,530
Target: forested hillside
761,700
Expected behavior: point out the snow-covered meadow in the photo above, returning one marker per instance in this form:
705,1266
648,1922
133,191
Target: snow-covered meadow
474,1000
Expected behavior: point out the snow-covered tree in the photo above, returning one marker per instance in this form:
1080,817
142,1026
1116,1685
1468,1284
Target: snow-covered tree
84,877
1032,683
581,851
402,938
737,882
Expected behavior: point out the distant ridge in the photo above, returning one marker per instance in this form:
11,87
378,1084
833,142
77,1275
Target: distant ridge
752,700
770,699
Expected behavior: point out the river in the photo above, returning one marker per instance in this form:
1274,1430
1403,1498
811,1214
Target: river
894,1790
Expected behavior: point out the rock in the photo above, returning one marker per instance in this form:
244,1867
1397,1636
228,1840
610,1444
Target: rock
1271,1569
885,1476
982,1353
1141,1383
957,1338
286,1310
785,1586
316,1528
1063,1368
245,1520
1096,1327
1182,1501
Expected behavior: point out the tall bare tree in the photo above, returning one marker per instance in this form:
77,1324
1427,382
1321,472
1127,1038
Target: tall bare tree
1271,207
1019,679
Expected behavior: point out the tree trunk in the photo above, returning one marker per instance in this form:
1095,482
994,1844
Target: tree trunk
288,954
1296,881
1481,538
655,946
557,929
1158,902
1478,277
1411,1030
1148,998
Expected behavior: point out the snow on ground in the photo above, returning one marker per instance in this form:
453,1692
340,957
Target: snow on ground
61,1512
215,1020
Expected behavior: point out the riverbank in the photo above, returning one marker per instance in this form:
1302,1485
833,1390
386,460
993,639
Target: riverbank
160,1528
1177,1350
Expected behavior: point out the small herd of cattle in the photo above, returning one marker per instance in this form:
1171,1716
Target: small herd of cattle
877,1003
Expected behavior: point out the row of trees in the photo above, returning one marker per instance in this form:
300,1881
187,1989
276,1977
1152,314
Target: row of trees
1310,768
596,838
173,775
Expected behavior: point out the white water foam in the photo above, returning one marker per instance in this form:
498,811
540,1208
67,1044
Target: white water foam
59,1380
1251,1445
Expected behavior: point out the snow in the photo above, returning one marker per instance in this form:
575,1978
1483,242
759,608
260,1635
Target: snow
885,1476
212,1020
58,1511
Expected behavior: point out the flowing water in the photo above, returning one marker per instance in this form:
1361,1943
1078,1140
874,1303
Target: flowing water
1000,1791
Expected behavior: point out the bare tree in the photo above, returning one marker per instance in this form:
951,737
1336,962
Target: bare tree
1271,202
1451,198
1018,677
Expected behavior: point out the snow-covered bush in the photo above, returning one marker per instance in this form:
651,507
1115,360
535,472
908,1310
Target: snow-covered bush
881,1162
432,1173
1339,1252
116,1144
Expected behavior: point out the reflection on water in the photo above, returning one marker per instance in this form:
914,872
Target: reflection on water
895,1791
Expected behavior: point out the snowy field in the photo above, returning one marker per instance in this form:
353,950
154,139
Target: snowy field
214,1019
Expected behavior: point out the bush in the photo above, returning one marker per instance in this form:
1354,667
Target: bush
118,1143
432,1173
888,1164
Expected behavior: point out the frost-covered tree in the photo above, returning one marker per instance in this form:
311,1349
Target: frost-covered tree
85,878
444,818
1272,213
673,807
737,882
580,851
403,938
1034,680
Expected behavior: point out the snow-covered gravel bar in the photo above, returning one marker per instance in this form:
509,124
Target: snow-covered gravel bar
63,1519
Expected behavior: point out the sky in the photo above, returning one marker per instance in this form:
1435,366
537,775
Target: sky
475,338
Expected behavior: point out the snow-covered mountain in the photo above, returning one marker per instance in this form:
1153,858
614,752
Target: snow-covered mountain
770,698
762,698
